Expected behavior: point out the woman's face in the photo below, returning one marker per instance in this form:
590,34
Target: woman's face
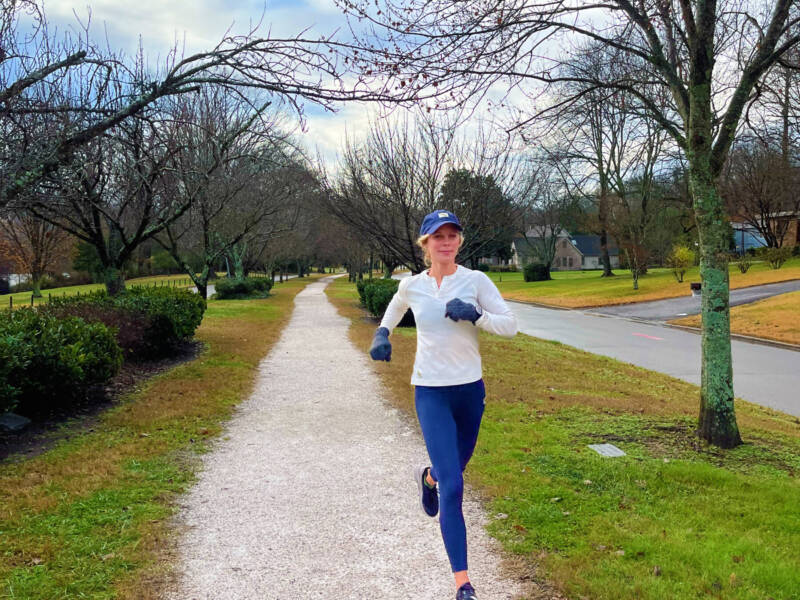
443,244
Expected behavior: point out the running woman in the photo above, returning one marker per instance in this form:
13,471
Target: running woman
450,303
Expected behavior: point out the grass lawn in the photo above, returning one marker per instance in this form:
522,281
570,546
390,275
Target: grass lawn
776,318
580,289
24,298
673,519
89,517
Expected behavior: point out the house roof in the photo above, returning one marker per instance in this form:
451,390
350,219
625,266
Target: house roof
589,245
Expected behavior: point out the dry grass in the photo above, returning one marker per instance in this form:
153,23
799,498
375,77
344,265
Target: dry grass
584,289
133,462
776,318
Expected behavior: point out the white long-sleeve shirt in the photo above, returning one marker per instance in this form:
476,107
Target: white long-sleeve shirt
447,351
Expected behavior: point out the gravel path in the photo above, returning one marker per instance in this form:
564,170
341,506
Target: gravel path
310,494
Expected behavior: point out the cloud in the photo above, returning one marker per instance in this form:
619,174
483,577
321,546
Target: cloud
201,23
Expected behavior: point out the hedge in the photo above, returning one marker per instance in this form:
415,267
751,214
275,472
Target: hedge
149,322
45,360
249,287
375,295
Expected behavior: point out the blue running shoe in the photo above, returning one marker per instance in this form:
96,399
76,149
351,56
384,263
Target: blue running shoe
428,498
466,592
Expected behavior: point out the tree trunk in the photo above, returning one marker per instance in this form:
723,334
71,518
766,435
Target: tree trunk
36,282
717,420
602,215
114,279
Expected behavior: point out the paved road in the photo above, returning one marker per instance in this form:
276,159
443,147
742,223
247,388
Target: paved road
762,374
675,308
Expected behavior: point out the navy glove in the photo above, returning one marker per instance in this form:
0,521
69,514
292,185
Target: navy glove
457,309
381,348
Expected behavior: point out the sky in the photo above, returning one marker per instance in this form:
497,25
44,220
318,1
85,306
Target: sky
200,24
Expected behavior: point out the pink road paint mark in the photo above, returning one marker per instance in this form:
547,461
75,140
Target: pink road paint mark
649,337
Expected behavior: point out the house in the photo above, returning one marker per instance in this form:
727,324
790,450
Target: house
746,236
572,252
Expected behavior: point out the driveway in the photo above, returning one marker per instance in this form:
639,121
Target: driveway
675,308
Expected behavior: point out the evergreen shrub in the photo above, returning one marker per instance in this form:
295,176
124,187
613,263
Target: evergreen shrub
239,289
149,321
47,361
536,272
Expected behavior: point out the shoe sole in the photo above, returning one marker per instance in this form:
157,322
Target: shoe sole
418,471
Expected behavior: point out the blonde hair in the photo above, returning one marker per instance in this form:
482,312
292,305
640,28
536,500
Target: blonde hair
422,242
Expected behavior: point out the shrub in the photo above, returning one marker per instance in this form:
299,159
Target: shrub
149,321
47,360
483,267
378,293
361,284
238,289
796,250
536,272
503,268
744,263
680,259
775,256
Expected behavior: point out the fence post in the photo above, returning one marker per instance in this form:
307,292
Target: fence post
31,300
11,303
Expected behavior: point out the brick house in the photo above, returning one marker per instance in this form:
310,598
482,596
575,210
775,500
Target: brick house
572,252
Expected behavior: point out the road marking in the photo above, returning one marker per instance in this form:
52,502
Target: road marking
682,314
649,337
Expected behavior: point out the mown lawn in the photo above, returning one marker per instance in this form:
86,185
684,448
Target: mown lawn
89,517
672,519
24,298
776,318
580,289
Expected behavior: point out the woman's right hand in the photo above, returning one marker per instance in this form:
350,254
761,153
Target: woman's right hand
381,348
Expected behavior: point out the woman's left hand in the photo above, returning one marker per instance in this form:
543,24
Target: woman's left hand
457,310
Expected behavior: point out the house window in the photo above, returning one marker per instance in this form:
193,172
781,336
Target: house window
564,243
570,261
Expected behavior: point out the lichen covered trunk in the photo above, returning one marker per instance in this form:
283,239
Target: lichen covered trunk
717,421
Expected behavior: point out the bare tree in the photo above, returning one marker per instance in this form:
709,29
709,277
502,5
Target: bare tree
392,179
120,193
237,170
36,246
57,94
543,208
705,57
760,186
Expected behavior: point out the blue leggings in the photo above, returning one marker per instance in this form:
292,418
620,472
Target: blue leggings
450,417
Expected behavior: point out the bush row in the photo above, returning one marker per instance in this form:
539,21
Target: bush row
232,289
149,322
496,268
54,353
46,360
